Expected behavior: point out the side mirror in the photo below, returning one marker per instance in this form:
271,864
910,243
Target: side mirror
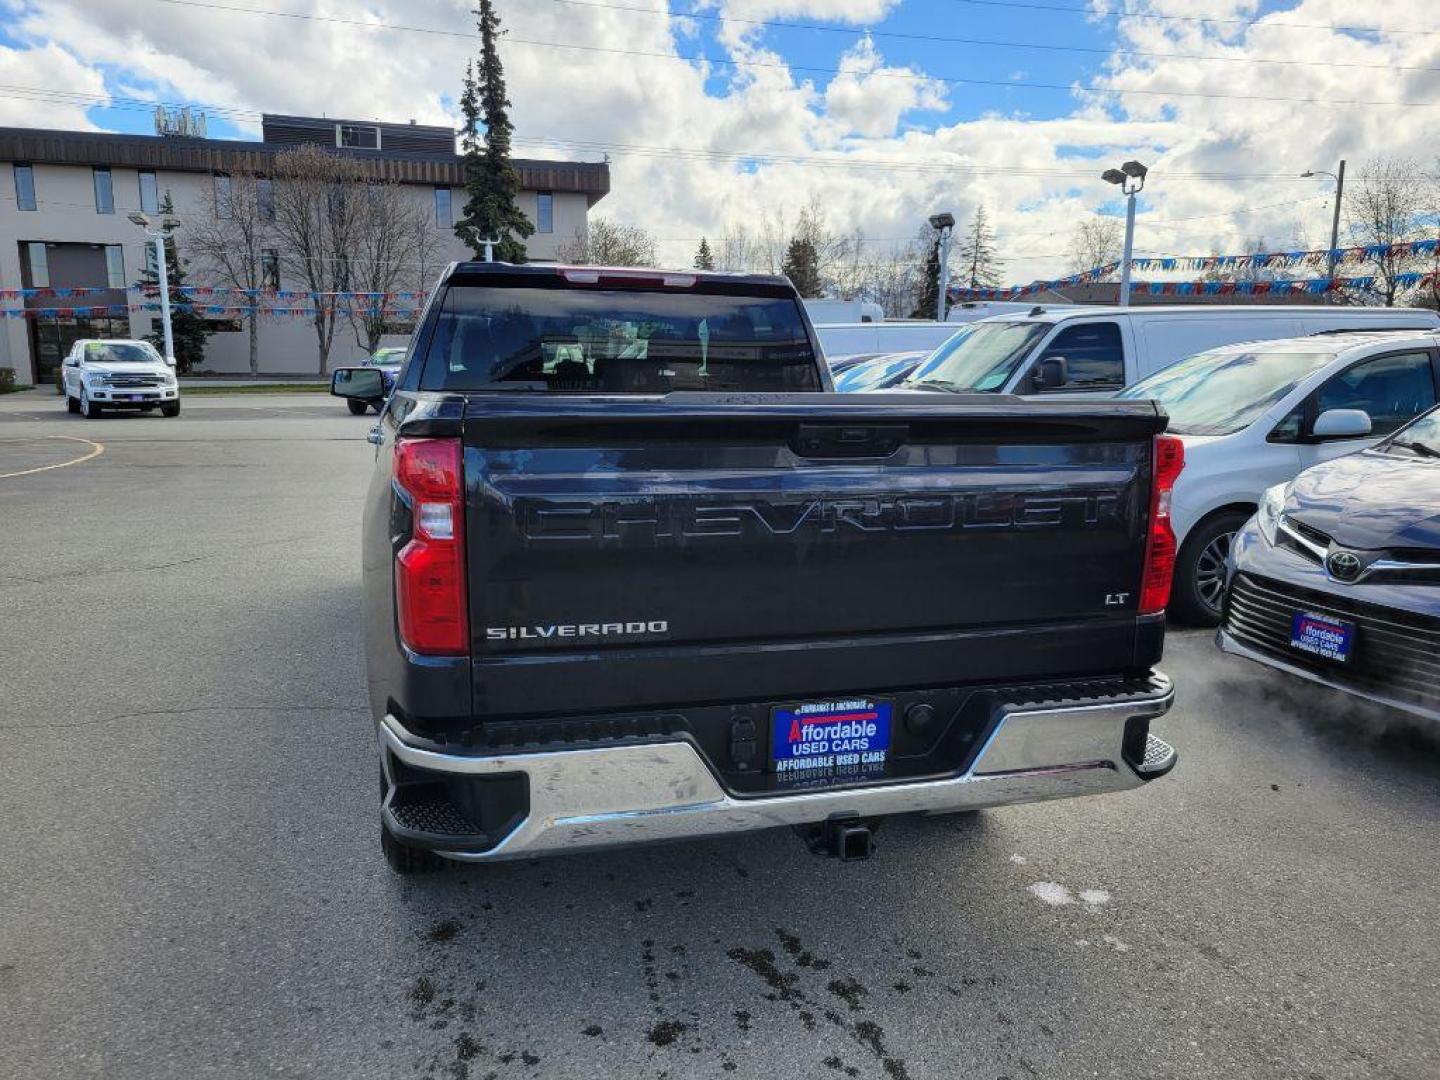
72,361
169,361
1051,373
1341,424
359,384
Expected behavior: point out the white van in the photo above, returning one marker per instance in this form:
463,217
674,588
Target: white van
1101,350
872,338
830,310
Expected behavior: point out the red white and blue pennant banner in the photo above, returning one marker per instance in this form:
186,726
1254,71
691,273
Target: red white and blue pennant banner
1263,260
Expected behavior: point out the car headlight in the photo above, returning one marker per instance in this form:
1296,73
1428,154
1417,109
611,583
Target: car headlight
170,379
1272,503
98,379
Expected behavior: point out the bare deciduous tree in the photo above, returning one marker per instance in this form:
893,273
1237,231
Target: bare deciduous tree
1387,207
1097,241
607,243
320,199
229,239
390,227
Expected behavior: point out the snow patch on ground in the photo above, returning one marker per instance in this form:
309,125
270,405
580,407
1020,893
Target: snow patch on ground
1019,860
1052,893
1095,897
1115,943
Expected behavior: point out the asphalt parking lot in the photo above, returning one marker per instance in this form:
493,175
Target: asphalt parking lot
191,884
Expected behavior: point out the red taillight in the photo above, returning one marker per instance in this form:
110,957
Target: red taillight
1160,545
430,569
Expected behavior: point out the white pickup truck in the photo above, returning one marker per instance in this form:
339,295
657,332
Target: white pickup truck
118,374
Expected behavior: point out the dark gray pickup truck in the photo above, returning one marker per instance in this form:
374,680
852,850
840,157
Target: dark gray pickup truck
633,572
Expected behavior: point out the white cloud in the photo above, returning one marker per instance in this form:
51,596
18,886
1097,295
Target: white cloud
871,98
49,67
1035,176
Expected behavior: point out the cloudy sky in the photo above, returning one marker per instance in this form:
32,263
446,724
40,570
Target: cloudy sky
721,112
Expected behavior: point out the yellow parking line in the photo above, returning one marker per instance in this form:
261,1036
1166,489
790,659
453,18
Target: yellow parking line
96,450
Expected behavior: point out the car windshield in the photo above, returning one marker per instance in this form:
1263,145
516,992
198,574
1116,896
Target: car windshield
874,374
119,352
618,341
979,359
1420,439
1220,393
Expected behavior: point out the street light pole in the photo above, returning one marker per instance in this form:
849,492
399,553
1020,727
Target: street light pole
164,295
167,226
944,224
1130,178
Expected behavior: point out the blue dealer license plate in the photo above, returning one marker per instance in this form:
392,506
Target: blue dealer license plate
1330,639
820,740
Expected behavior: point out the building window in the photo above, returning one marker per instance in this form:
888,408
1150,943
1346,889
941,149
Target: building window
224,207
115,266
149,194
270,269
25,187
104,190
443,219
39,266
265,199
545,212
357,137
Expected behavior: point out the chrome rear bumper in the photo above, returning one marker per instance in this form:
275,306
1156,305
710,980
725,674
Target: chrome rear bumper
611,796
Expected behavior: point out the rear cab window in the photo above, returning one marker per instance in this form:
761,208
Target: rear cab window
562,333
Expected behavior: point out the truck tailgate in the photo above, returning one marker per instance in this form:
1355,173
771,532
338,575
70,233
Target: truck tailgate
632,553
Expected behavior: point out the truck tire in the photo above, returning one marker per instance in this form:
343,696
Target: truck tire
71,405
406,860
1200,569
88,407
172,409
357,408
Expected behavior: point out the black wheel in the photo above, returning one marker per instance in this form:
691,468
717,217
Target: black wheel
407,860
1200,570
171,409
71,405
88,407
357,408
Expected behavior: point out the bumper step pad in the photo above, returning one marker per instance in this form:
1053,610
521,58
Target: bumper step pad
1160,758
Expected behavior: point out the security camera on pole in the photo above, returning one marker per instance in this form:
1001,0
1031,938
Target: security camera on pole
1130,178
944,224
168,225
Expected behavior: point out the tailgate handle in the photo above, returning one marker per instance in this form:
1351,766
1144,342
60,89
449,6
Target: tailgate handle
848,440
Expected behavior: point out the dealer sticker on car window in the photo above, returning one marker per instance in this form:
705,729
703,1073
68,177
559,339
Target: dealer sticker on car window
831,737
1319,636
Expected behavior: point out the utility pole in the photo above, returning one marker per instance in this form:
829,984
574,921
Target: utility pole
944,224
1130,178
1331,258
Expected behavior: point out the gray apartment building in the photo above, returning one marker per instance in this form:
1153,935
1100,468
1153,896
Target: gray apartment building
69,251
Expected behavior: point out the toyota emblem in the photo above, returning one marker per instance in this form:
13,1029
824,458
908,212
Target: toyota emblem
1343,565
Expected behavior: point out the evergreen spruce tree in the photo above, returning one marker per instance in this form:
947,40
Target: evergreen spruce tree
491,182
802,267
704,260
979,264
188,330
